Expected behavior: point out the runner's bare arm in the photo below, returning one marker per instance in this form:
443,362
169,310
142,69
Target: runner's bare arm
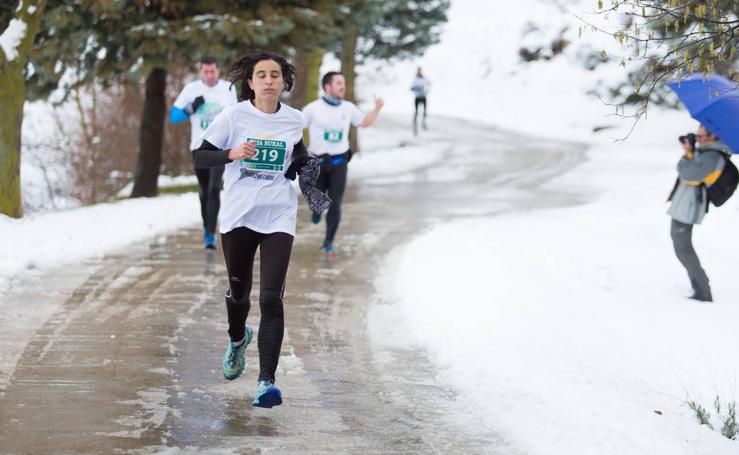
371,116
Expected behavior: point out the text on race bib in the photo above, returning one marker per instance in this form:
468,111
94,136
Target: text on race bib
270,156
333,135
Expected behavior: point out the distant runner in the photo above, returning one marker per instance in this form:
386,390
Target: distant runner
328,120
420,88
201,101
259,140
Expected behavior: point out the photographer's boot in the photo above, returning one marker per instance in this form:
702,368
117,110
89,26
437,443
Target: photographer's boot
702,292
702,296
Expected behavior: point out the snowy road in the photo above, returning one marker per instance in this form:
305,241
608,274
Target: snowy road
131,361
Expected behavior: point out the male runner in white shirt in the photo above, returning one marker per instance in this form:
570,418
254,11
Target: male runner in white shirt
328,120
201,101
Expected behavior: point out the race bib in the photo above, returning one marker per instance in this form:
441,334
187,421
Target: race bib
270,156
333,136
208,112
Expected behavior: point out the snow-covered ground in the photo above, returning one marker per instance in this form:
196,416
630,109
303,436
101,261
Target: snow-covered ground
53,239
567,331
164,181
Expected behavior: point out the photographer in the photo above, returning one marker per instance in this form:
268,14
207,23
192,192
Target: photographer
698,169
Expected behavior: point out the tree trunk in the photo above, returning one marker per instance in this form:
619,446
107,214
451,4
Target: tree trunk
13,96
308,65
297,96
151,135
12,93
348,63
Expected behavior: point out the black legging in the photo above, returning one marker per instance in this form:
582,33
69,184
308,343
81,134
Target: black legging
209,181
420,100
333,179
239,248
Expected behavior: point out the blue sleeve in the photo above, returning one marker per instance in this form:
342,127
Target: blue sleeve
177,115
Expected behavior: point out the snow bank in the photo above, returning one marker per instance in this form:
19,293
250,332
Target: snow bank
58,238
566,329
164,181
563,330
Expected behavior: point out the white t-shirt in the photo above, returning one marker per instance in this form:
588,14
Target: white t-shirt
216,98
329,126
257,195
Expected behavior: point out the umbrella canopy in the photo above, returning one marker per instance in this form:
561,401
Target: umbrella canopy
713,101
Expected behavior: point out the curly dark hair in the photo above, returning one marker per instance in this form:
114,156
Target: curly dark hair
243,69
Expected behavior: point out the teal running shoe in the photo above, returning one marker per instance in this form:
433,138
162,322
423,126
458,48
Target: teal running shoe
328,250
315,218
233,361
267,395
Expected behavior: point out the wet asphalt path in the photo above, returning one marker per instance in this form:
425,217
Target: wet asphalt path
130,363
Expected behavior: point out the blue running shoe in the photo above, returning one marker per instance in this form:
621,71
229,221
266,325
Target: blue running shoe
267,395
328,250
233,361
210,240
315,218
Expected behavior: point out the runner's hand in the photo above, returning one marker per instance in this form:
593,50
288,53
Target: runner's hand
244,151
379,103
199,101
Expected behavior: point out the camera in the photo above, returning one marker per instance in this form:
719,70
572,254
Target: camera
689,138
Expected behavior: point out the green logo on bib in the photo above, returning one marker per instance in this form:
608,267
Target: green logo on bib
333,136
207,113
270,156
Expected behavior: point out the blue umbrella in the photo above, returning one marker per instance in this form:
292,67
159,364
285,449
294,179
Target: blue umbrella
713,101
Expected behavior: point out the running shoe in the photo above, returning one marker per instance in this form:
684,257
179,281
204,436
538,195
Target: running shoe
315,218
233,361
210,240
329,251
267,395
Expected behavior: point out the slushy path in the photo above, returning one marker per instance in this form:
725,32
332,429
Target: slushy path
131,361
